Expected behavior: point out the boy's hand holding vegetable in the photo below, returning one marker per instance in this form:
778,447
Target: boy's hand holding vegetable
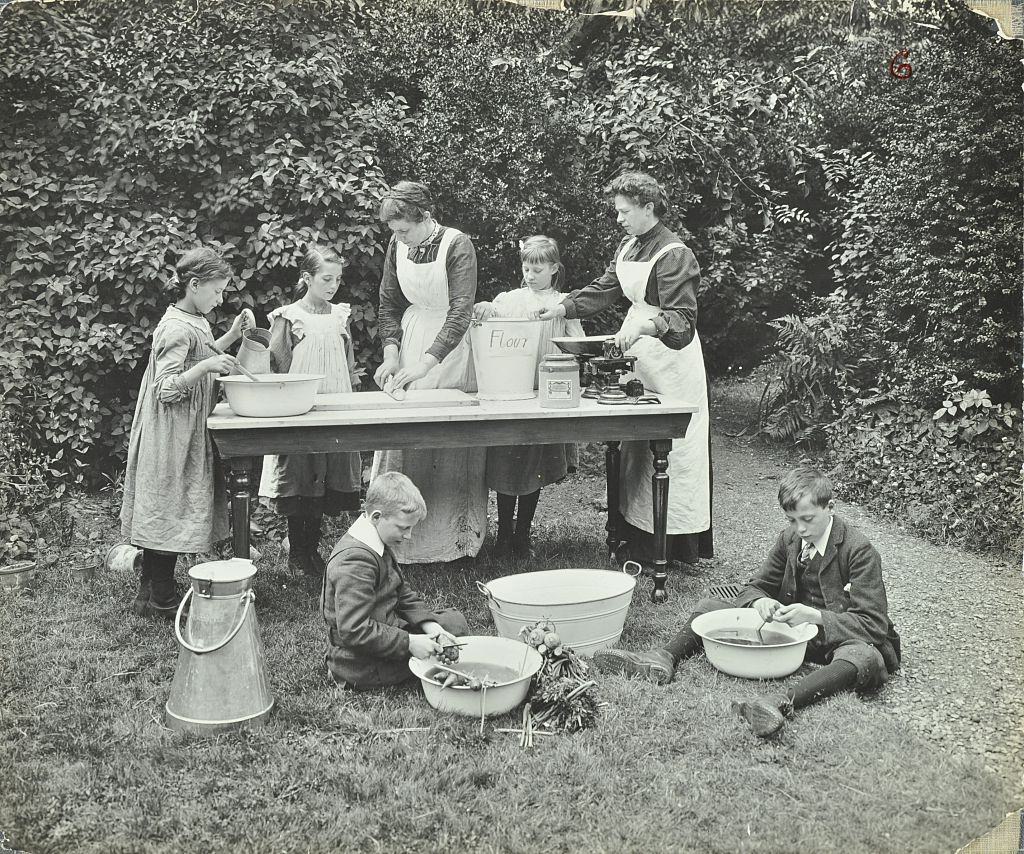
797,614
421,646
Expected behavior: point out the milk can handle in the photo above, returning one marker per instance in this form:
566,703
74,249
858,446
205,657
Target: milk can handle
248,596
639,568
483,588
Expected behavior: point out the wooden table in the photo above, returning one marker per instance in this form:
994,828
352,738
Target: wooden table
240,439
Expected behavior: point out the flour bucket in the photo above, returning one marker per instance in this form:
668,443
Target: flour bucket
587,606
254,351
220,682
505,357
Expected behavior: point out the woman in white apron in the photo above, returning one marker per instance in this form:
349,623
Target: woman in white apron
427,293
658,274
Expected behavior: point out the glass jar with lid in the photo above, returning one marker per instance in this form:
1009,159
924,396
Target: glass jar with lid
558,381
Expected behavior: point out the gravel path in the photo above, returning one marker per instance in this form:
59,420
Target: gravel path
960,615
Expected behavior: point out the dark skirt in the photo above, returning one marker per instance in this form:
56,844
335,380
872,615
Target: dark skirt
685,548
331,503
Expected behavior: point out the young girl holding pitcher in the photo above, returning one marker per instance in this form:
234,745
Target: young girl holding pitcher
517,472
312,336
174,498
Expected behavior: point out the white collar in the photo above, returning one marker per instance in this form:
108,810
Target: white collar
364,531
822,541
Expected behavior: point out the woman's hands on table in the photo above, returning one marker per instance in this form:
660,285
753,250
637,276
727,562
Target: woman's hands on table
388,367
403,376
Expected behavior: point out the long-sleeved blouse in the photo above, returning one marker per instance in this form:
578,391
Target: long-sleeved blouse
461,268
672,287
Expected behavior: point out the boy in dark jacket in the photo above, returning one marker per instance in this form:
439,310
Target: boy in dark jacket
375,621
820,571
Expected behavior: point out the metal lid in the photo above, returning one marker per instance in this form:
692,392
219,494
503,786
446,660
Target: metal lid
223,571
560,357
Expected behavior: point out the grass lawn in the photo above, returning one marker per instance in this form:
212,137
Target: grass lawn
87,766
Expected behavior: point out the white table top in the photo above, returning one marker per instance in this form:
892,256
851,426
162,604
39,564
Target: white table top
223,418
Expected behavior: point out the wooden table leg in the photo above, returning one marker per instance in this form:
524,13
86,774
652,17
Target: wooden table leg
613,469
239,493
659,493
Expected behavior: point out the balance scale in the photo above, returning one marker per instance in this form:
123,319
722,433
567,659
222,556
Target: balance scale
601,378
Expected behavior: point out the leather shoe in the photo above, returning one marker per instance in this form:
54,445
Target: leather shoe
763,715
655,665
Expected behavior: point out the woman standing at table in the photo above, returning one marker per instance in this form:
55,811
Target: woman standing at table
658,274
427,293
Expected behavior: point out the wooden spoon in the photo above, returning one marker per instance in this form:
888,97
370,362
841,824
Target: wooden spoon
241,367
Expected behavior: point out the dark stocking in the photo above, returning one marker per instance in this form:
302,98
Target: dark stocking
296,535
828,680
506,513
686,642
159,569
313,524
524,514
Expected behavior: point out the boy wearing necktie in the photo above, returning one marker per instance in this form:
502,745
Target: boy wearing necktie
820,571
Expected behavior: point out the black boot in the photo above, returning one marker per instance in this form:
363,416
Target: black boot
521,547
313,535
141,601
164,595
506,514
297,555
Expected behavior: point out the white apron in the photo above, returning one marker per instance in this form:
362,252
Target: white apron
322,349
678,374
451,480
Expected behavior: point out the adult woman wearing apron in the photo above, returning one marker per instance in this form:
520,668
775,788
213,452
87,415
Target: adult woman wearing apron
658,274
427,293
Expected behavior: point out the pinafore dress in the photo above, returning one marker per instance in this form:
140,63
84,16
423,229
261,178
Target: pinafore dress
174,494
523,469
678,374
321,347
450,479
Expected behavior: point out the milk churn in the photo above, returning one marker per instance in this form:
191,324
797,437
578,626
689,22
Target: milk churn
221,678
254,351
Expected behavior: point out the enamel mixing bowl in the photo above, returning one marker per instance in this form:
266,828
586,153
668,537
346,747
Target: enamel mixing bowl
516,657
586,345
751,662
274,396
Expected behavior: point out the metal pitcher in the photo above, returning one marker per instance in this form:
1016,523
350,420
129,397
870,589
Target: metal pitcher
221,680
254,351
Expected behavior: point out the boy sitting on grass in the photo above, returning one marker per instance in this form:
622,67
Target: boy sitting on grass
375,621
820,571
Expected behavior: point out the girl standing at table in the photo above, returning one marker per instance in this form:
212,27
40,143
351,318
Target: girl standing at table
655,271
427,292
174,500
312,336
518,472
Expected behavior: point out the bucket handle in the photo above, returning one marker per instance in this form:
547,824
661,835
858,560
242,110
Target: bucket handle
483,588
639,568
249,596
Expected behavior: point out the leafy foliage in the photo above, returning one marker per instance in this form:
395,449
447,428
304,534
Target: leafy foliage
121,154
28,483
954,474
878,221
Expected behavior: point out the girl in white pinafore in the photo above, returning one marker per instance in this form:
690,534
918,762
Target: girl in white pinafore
312,336
427,294
517,473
